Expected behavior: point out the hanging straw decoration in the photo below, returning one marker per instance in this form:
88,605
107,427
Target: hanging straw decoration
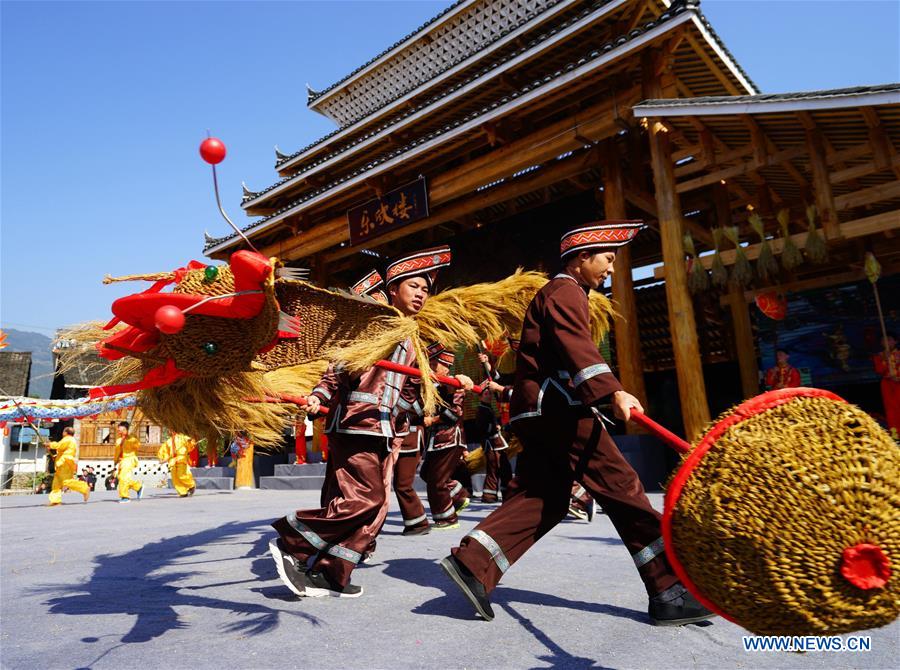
766,265
790,254
718,271
742,274
697,278
816,249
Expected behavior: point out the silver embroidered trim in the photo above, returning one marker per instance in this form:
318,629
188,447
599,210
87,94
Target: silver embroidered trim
456,489
360,396
580,492
649,552
413,522
591,371
492,547
322,391
444,515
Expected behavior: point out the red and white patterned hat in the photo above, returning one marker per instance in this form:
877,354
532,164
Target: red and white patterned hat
599,235
438,352
423,263
370,286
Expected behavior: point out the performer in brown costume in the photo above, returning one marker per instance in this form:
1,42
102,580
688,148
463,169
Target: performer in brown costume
560,379
367,413
493,443
445,445
415,521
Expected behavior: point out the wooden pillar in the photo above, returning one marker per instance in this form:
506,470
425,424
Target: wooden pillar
628,342
682,326
243,472
740,311
822,185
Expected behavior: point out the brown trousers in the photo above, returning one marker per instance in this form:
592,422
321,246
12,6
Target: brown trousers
404,477
338,534
562,446
436,472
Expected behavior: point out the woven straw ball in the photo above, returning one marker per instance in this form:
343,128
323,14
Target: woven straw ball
786,516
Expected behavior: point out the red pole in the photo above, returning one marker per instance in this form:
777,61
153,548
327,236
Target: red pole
300,441
662,433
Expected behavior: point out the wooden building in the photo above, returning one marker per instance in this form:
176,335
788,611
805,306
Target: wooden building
525,115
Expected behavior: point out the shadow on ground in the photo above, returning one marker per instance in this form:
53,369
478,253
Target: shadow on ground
452,604
140,583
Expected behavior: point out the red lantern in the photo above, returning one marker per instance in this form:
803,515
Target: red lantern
169,319
773,305
212,150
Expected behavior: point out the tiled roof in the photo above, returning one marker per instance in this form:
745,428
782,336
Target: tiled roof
769,97
312,95
15,368
282,158
414,110
594,54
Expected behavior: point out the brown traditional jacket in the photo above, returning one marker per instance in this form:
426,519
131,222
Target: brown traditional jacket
447,432
413,441
556,353
378,402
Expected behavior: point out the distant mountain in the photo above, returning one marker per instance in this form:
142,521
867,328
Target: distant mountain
41,359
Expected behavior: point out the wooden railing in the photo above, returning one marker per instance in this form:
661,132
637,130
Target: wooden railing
108,451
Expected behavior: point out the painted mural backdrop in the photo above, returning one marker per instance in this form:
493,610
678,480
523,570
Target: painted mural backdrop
831,334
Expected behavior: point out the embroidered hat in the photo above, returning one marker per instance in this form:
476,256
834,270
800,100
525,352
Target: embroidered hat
599,235
423,263
438,352
370,286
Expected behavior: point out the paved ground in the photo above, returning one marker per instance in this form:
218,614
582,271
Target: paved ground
175,583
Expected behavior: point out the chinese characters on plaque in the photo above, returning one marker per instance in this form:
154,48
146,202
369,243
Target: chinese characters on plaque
393,210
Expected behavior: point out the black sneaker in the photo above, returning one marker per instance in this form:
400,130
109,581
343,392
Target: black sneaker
191,490
319,585
471,587
286,565
676,607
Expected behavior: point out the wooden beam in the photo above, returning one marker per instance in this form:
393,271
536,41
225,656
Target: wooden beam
882,147
709,149
743,168
821,184
829,279
539,147
863,227
867,196
595,123
628,338
878,140
682,325
711,64
863,170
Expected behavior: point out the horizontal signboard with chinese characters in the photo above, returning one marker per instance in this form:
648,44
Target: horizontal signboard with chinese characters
393,210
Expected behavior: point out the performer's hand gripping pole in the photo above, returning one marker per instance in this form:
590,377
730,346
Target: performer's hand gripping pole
661,432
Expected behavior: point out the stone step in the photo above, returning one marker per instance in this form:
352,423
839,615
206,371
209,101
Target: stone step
277,482
214,472
312,483
306,470
214,483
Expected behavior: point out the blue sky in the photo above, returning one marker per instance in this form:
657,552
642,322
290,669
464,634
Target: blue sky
105,103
